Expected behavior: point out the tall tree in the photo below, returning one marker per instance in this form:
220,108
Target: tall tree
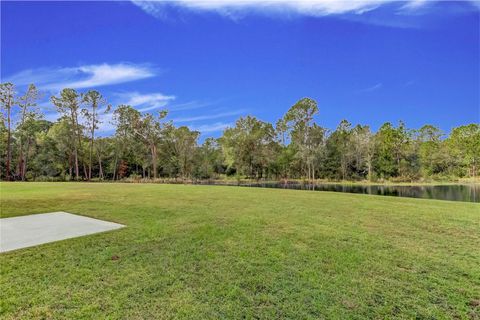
389,149
36,129
147,128
339,157
94,100
361,149
318,142
104,148
27,104
248,146
7,100
3,142
67,104
299,120
429,140
179,147
124,118
286,153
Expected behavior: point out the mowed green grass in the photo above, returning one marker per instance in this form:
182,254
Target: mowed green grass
212,252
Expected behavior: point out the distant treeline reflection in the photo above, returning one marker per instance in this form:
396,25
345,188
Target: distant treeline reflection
467,193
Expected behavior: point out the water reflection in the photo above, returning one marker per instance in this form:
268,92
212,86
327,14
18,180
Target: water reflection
467,193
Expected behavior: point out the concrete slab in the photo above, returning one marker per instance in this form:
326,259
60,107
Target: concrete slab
35,229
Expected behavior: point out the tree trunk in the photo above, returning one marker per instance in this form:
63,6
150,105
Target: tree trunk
79,138
9,151
75,147
70,169
91,145
85,172
90,162
115,168
369,171
24,162
100,168
75,154
20,160
153,148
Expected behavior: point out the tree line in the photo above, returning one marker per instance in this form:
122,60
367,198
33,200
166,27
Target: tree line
148,146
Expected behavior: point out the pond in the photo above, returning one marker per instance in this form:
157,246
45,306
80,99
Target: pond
467,193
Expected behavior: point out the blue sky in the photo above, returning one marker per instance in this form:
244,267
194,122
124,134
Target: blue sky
209,62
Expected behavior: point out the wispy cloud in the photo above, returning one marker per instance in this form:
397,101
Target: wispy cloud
371,88
106,126
86,76
144,102
414,4
214,127
189,105
209,116
233,8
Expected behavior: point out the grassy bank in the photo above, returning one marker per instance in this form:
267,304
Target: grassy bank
220,252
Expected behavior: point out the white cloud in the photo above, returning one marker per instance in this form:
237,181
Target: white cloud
144,102
86,76
232,8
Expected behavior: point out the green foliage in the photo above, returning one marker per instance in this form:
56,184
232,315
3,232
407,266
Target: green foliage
146,145
208,160
178,151
464,141
249,146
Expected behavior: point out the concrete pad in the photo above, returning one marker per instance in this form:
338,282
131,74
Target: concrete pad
35,229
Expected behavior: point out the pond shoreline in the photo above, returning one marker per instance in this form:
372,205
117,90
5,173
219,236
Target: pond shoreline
450,192
232,182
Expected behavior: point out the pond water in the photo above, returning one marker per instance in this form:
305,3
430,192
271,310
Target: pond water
467,193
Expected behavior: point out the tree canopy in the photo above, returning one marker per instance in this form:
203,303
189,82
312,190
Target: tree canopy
147,146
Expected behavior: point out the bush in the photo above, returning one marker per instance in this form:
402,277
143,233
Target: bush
134,178
48,179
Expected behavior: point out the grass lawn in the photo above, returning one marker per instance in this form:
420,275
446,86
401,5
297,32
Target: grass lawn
214,252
